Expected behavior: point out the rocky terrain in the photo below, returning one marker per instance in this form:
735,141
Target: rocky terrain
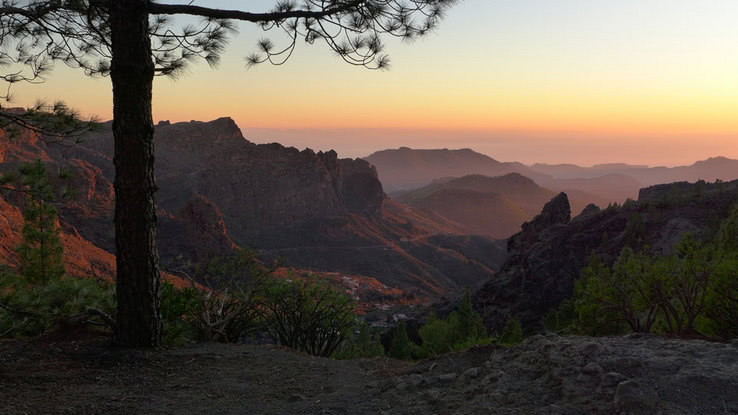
218,191
546,375
546,257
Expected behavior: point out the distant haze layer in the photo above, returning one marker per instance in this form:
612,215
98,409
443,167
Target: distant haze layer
576,147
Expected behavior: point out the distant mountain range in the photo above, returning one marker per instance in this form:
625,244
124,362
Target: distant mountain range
709,170
407,169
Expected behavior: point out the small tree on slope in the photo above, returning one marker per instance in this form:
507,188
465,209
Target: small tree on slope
41,251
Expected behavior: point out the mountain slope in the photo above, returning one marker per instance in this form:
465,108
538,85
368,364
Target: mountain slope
601,190
494,206
218,191
405,168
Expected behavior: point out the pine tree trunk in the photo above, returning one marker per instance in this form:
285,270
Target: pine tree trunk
138,280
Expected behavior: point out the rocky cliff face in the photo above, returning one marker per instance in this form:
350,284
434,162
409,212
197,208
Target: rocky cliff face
219,191
263,191
546,257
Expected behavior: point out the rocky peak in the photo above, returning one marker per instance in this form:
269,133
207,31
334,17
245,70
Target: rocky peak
556,211
589,210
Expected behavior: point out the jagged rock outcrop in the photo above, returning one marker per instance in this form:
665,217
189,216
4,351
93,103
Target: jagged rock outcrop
546,257
194,233
555,212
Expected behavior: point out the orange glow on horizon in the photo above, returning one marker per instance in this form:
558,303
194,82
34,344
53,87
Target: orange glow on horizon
582,71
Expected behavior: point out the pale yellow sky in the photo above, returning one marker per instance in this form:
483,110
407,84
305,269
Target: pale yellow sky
583,81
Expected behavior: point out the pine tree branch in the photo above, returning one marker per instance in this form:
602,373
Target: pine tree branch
158,8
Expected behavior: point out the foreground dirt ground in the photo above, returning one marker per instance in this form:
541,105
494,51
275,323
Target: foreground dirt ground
86,376
82,374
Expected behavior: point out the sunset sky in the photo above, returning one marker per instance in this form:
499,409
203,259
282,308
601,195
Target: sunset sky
582,81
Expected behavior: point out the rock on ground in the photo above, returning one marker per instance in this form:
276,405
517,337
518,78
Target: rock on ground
548,374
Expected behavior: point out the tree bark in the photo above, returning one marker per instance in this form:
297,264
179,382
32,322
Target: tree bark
138,280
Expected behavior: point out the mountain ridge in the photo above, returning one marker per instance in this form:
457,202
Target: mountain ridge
219,191
406,169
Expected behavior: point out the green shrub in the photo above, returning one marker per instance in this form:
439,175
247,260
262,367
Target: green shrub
179,313
461,330
721,308
401,347
437,335
364,343
561,318
30,310
694,291
470,325
512,333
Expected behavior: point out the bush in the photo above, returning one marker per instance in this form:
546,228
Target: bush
401,346
438,335
233,298
223,300
512,333
180,309
364,343
561,318
30,310
469,324
721,308
461,330
692,292
307,314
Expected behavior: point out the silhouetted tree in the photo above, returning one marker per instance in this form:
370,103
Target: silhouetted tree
134,40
